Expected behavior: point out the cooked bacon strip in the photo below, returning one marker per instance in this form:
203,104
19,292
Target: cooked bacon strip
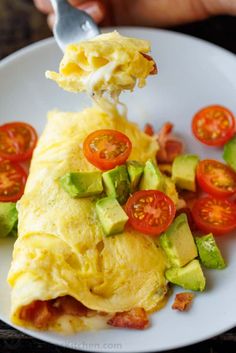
149,58
43,313
189,197
165,168
39,313
70,306
136,318
149,129
182,301
170,146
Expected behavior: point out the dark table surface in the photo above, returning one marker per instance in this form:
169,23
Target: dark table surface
20,25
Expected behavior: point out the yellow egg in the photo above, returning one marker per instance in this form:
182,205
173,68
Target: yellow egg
110,62
61,248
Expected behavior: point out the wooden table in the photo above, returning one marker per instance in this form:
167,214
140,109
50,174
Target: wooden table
21,24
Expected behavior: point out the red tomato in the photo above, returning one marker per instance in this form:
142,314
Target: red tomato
213,125
214,215
12,181
107,148
17,141
216,178
150,211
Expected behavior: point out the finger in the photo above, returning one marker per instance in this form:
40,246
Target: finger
96,12
95,9
220,7
51,20
44,6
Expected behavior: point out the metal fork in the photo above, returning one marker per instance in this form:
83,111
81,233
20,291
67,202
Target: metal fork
72,25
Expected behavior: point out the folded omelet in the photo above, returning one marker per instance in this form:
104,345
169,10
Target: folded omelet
66,275
108,63
62,250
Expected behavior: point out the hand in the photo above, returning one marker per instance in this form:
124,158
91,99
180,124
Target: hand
158,13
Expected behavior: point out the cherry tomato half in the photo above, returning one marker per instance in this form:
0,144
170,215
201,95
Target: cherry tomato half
214,215
216,178
107,148
12,181
213,125
17,141
150,211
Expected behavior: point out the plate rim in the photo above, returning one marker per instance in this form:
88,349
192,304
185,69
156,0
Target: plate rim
37,46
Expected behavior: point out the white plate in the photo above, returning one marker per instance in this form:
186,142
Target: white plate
192,74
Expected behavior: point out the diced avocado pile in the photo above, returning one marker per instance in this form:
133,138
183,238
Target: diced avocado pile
8,219
117,184
179,245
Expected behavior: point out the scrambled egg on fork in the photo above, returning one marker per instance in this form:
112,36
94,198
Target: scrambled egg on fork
108,63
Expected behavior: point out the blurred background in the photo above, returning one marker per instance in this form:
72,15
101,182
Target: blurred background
21,24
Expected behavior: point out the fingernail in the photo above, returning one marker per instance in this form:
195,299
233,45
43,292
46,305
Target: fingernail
93,9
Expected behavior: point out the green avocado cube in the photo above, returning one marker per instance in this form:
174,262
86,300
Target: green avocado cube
111,215
116,183
152,177
135,171
189,277
178,242
82,184
229,154
184,171
209,253
8,218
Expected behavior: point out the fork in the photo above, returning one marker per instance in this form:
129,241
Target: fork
72,25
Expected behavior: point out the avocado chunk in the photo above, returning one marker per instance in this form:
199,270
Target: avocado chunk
184,170
117,184
8,218
229,154
170,190
111,215
152,177
178,242
82,184
189,277
209,252
135,171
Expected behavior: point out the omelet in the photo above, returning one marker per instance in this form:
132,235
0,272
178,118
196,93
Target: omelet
107,63
61,249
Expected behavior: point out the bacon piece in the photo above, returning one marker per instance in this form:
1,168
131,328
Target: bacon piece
182,301
136,318
42,313
189,197
70,306
39,313
149,129
170,146
149,58
165,168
